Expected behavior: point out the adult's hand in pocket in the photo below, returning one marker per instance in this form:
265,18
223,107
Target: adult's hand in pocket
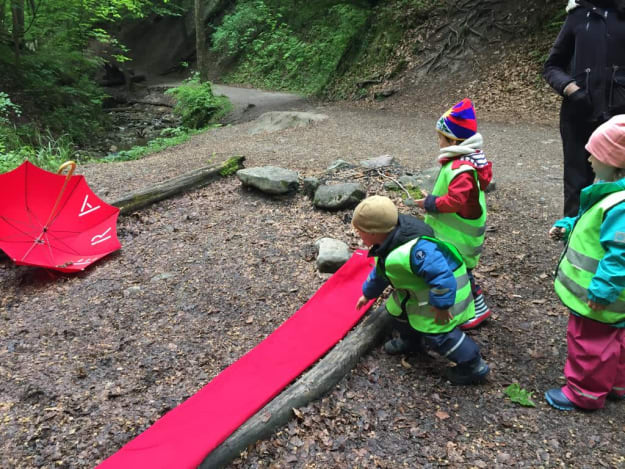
581,100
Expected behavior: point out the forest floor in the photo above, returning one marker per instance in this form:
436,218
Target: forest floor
89,361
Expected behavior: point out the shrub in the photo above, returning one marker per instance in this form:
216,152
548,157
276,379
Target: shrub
196,104
295,49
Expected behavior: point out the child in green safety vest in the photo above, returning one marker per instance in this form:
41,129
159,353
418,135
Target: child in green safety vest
456,208
590,279
432,293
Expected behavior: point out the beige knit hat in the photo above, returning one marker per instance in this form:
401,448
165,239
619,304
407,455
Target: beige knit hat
375,214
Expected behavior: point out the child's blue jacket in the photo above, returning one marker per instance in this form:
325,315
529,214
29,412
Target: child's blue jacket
427,261
609,280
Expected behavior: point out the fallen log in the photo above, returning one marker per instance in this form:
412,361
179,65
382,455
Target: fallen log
310,386
191,180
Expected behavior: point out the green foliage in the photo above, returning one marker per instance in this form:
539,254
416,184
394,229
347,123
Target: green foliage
294,46
52,77
196,104
47,153
6,108
230,167
520,395
177,136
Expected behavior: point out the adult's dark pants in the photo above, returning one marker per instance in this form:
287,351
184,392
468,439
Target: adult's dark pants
575,131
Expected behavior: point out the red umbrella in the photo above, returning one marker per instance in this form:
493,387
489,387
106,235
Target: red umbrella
54,220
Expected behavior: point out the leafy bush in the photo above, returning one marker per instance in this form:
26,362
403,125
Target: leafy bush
296,49
196,104
47,153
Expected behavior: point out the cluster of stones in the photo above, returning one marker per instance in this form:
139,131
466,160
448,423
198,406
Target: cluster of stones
273,180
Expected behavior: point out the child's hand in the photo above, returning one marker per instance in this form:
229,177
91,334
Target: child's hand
556,233
441,316
596,306
363,300
420,203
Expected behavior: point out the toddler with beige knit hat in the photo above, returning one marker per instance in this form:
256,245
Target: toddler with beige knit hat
432,293
590,279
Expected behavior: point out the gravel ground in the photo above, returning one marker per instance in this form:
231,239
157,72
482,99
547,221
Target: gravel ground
91,360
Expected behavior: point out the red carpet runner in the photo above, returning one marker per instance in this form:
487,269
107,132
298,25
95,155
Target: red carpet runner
184,436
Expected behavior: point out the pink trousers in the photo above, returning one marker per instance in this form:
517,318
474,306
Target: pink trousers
595,365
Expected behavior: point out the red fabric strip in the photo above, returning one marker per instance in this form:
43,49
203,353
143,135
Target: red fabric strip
184,436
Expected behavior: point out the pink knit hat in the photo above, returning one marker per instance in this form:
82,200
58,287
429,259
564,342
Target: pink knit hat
607,142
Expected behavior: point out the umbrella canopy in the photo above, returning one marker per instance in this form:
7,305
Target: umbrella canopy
53,220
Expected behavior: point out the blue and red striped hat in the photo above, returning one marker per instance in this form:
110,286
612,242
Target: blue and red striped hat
458,122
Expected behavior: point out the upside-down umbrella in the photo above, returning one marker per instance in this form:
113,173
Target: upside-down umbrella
54,220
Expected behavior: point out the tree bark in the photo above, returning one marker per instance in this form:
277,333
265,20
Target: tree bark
200,40
312,385
17,12
192,180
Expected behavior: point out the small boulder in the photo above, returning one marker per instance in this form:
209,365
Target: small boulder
378,162
339,196
279,120
270,179
332,254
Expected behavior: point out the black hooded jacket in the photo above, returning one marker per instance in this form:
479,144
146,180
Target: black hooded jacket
590,50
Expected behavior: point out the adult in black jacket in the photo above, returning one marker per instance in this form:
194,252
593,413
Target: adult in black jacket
587,67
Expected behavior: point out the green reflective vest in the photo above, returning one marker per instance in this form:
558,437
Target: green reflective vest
579,262
410,298
466,235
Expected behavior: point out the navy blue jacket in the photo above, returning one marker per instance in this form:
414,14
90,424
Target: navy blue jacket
427,261
590,50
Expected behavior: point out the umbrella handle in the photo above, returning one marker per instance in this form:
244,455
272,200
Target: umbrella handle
72,166
68,164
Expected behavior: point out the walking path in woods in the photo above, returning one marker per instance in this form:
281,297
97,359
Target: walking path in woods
89,361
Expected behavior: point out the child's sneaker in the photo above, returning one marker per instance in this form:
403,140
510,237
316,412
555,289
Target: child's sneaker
481,312
468,374
558,400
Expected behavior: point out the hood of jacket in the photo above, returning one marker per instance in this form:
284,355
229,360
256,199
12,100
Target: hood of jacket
597,191
408,228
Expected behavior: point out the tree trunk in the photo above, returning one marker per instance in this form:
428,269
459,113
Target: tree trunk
321,378
191,180
200,40
17,11
3,31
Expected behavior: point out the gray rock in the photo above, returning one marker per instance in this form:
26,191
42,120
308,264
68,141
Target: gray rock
339,196
311,185
378,162
337,165
408,181
132,291
279,120
332,254
427,178
269,179
163,276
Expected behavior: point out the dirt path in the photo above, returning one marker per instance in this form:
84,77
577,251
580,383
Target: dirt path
89,361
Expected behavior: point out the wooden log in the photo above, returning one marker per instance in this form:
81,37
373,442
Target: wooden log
191,180
310,386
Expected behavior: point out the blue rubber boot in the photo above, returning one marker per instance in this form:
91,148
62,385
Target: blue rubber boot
557,399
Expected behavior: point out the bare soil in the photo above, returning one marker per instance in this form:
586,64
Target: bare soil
89,361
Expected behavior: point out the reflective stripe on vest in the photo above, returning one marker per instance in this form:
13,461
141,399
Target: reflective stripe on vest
465,234
410,298
579,262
